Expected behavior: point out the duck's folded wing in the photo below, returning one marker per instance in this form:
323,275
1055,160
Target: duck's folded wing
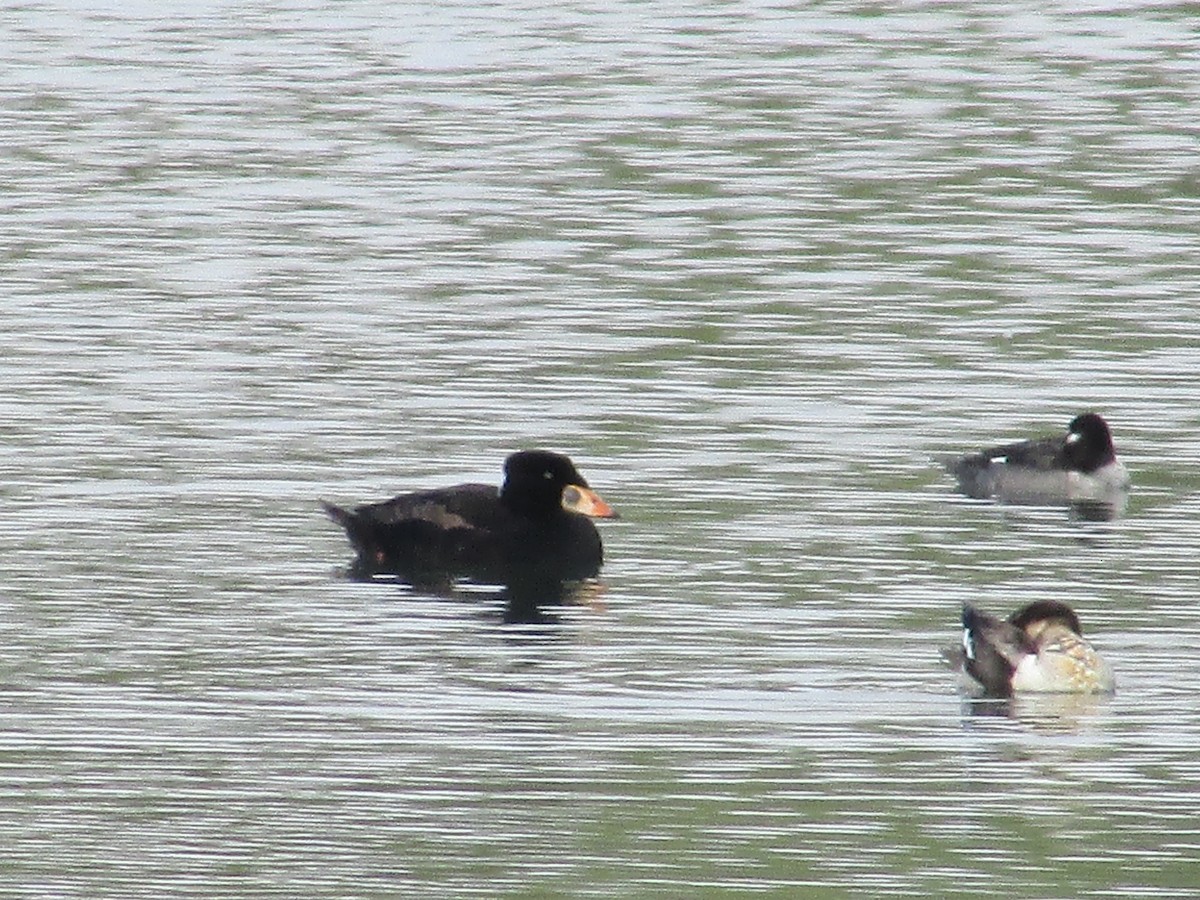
1044,454
992,650
461,506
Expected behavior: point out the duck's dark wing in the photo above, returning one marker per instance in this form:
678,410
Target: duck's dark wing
1043,454
992,649
461,506
977,472
428,531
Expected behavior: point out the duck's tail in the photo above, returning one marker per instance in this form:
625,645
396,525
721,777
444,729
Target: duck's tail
974,474
343,517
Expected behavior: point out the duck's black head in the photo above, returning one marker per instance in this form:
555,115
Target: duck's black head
1089,442
534,484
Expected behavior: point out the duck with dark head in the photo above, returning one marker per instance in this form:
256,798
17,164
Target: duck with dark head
536,525
1078,468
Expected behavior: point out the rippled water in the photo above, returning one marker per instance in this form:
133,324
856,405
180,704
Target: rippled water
752,266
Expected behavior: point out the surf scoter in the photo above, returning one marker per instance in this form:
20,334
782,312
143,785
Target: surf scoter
536,523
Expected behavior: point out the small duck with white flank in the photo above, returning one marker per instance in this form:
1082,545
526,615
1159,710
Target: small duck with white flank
1039,649
1080,466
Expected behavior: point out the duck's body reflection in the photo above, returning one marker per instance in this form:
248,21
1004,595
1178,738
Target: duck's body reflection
525,599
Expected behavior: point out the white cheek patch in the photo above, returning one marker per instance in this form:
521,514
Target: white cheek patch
968,644
999,460
1074,437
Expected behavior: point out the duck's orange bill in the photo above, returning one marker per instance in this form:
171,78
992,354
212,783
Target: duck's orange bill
586,502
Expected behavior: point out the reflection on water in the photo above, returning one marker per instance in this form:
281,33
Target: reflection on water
757,262
1045,713
1099,510
526,599
1105,510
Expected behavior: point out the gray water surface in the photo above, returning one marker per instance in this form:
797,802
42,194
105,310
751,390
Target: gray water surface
753,267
